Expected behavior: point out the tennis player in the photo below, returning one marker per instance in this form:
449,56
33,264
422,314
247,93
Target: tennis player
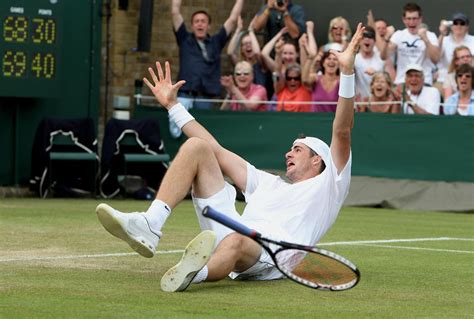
300,211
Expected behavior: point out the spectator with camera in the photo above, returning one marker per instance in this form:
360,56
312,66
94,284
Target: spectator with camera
413,45
453,34
462,102
418,98
277,14
461,55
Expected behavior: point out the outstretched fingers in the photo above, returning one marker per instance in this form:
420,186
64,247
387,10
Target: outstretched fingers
355,41
160,71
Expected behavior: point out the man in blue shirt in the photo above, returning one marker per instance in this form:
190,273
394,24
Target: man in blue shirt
199,56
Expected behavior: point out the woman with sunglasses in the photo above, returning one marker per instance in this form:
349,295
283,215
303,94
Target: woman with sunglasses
290,89
339,35
241,87
451,37
462,102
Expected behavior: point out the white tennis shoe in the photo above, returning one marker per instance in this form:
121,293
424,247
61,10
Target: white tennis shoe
133,228
195,257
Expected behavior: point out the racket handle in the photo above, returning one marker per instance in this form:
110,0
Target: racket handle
225,220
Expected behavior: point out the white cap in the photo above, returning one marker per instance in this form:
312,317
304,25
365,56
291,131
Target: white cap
317,145
415,67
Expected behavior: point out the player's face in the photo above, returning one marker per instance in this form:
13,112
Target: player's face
412,21
300,164
200,26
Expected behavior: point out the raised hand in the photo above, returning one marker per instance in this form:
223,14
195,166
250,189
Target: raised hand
346,58
162,88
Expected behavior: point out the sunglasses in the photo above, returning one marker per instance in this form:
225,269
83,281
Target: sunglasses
242,73
337,28
467,75
295,78
459,22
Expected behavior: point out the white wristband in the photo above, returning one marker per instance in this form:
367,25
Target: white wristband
179,115
347,86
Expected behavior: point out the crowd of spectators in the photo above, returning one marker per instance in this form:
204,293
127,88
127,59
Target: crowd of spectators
278,65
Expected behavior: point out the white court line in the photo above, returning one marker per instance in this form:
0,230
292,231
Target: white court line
421,248
362,243
384,241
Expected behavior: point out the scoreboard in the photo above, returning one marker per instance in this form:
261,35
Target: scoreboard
30,48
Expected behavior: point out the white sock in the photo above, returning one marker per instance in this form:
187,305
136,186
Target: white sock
157,214
200,276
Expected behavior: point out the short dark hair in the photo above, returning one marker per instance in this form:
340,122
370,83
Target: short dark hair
411,7
201,12
381,20
465,69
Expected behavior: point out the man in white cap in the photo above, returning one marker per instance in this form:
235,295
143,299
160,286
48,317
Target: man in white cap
418,98
299,211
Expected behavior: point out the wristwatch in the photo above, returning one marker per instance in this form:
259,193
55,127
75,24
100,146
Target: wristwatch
286,13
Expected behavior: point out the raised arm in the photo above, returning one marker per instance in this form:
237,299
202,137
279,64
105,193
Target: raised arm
344,118
262,19
166,92
231,21
234,42
432,50
176,16
267,50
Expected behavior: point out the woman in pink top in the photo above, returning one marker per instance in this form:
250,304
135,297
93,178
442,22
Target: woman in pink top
326,85
253,96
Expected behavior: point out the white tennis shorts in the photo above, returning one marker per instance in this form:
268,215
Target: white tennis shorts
224,202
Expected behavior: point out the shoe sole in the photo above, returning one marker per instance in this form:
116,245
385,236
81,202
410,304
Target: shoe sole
195,257
113,225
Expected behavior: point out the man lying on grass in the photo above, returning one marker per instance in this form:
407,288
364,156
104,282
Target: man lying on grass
299,211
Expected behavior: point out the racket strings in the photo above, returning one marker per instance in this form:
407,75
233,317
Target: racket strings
315,268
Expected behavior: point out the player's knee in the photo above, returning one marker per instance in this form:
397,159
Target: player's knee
235,243
195,145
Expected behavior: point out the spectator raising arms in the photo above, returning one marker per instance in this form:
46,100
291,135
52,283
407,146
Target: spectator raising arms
413,45
367,62
277,14
418,98
461,55
324,87
244,46
289,89
286,53
243,89
381,91
462,102
199,56
449,40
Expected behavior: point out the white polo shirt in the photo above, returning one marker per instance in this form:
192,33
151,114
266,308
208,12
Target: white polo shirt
301,212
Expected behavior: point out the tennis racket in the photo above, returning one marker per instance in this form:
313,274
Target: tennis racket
309,266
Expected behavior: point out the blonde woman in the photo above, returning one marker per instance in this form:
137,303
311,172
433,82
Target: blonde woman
381,91
339,35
